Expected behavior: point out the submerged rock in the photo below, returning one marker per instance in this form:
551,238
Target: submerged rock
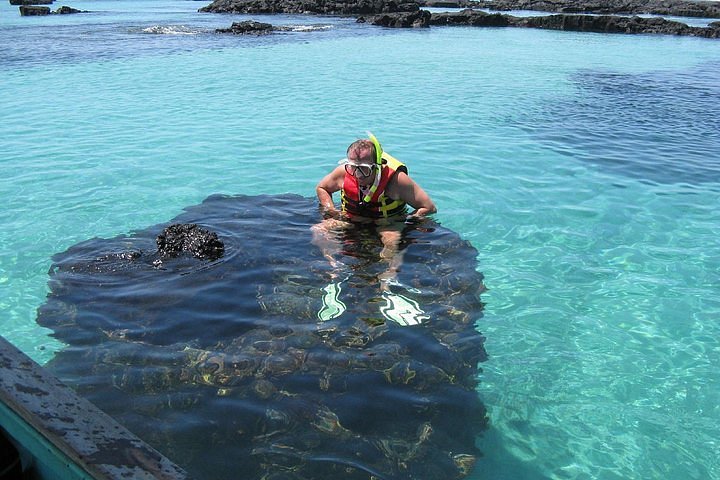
225,366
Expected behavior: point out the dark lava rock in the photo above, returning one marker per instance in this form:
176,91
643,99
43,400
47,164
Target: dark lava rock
471,18
614,24
31,2
575,23
318,7
68,10
190,238
249,27
680,8
418,19
33,10
448,3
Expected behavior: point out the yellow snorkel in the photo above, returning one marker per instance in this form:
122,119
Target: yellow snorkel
378,148
378,165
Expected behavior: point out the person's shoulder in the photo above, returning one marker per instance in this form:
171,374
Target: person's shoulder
398,183
338,174
339,171
401,177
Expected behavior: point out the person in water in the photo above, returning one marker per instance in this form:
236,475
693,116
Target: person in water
375,189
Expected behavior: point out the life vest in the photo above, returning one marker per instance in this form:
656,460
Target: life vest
378,205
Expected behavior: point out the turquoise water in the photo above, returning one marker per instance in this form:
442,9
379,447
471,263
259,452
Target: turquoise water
594,208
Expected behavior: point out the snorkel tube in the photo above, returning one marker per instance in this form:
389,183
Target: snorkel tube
378,148
378,166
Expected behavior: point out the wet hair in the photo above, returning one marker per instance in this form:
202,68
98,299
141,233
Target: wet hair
362,145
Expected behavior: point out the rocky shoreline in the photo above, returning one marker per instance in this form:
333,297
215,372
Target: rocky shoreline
316,7
389,13
682,8
679,8
575,23
608,16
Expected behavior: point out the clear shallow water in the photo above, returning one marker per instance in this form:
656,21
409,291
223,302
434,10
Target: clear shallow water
603,272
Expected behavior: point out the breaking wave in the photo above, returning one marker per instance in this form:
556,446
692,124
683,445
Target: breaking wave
171,30
304,28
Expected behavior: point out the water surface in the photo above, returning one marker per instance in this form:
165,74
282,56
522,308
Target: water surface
582,167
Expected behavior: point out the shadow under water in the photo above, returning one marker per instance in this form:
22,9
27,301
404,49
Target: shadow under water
224,366
659,127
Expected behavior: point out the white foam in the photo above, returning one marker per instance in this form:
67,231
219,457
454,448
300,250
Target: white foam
304,28
170,30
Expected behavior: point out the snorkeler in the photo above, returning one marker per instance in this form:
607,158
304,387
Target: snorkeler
375,189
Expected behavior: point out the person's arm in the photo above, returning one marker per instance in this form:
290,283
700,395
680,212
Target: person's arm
330,184
410,192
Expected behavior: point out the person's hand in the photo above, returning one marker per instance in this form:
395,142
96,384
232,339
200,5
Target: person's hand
330,213
414,219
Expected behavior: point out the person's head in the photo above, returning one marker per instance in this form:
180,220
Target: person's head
361,161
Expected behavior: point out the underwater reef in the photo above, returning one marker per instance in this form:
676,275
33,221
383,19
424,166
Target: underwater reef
217,356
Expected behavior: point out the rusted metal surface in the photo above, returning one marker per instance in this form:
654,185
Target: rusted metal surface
94,444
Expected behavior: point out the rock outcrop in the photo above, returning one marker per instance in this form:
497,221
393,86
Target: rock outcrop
31,2
318,7
33,10
615,24
474,18
189,238
249,27
577,23
418,19
447,3
64,10
37,10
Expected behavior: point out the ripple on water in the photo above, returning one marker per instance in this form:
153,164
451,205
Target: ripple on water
657,126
